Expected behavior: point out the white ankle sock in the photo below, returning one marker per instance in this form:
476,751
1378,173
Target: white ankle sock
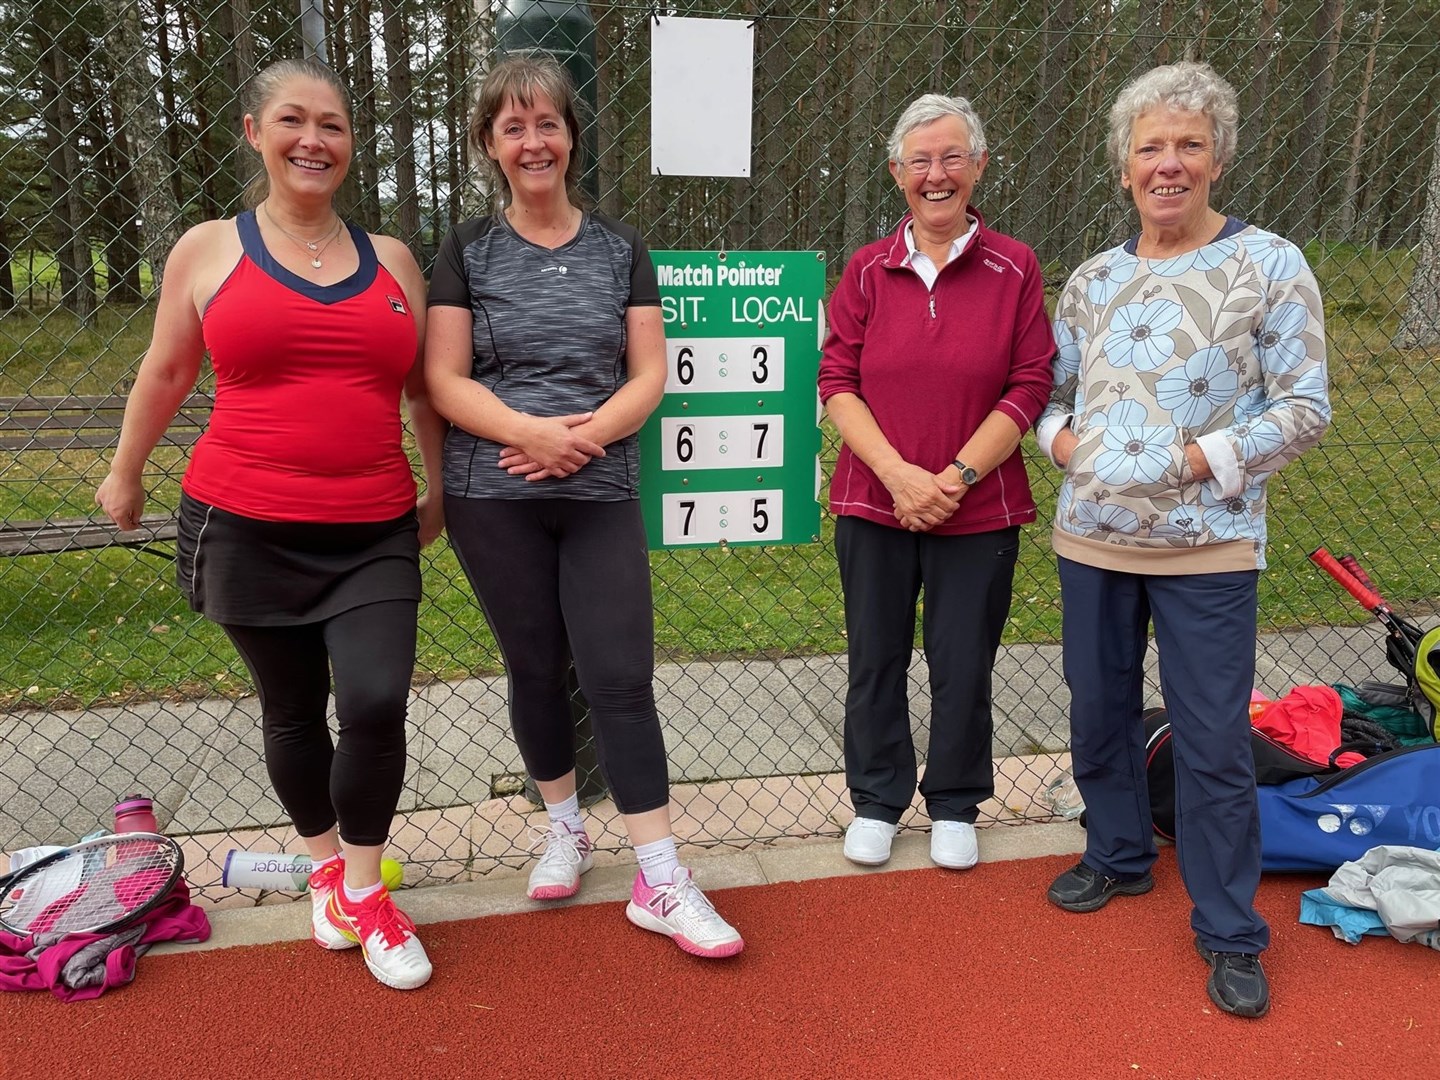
354,896
567,813
658,861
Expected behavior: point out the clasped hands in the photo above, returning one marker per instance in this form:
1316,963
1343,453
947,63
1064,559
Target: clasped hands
551,446
923,499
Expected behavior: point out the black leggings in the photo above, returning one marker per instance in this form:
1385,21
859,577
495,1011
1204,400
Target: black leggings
559,578
355,782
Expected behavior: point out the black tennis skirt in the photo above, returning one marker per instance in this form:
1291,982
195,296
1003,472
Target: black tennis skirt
249,572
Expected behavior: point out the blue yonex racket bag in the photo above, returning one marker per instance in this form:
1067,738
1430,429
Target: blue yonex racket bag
1317,823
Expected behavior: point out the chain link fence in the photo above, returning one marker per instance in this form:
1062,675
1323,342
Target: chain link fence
121,128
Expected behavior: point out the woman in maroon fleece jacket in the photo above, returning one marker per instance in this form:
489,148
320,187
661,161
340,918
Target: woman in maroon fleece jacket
937,361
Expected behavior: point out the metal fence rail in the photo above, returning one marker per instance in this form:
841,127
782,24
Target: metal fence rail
121,129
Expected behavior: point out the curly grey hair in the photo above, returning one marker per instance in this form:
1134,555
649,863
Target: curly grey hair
1188,85
928,108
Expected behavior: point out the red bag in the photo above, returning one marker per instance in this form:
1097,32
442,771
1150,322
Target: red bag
1307,720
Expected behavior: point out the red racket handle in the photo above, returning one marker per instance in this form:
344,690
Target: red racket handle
1368,598
1357,571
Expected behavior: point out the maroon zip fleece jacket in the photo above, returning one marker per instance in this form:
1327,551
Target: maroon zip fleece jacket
931,365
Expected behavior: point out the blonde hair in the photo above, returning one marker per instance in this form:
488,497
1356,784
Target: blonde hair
264,88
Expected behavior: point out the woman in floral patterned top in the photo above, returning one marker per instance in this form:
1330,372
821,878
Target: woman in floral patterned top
1191,367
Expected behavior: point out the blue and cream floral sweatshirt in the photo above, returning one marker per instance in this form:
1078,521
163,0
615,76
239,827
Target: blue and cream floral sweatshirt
1223,346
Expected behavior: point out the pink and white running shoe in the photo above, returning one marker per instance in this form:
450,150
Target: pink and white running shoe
323,882
566,856
684,914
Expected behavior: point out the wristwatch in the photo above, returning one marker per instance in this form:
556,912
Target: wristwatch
968,476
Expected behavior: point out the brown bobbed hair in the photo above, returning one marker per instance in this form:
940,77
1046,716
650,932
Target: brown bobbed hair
525,77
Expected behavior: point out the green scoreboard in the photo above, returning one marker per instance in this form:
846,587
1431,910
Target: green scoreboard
731,456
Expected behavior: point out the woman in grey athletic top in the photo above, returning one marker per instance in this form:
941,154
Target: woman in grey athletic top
546,351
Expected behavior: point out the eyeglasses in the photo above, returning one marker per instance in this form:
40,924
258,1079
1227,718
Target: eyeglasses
1191,148
951,163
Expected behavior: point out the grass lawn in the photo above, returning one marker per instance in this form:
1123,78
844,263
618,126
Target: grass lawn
105,626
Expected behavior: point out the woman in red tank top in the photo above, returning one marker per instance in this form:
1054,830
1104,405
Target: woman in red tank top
300,532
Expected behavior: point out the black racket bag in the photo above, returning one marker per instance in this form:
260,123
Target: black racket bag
1274,764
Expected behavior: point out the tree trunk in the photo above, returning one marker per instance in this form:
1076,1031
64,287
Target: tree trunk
968,45
1308,211
1053,137
767,225
859,141
139,129
364,179
118,211
67,205
938,79
1252,121
204,163
1152,36
233,22
7,274
402,122
1349,209
167,100
1420,328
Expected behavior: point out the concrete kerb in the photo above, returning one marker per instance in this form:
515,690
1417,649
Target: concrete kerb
612,884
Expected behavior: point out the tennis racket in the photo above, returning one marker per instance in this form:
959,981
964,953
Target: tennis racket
1357,571
1403,635
96,886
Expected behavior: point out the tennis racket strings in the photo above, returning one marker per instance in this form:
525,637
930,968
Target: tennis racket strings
97,885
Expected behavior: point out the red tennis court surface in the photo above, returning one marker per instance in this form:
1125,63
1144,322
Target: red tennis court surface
921,973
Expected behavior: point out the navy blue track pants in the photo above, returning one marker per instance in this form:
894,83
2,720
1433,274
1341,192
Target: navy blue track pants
1205,626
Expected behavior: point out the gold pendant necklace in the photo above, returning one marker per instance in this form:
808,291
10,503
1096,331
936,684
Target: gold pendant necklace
315,248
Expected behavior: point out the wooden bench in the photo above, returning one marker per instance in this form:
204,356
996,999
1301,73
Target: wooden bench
58,424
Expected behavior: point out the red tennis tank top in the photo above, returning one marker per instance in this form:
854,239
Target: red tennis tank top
306,424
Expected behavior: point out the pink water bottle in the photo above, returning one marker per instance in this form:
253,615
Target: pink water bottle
135,813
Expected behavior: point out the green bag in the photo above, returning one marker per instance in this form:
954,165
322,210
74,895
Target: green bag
1389,706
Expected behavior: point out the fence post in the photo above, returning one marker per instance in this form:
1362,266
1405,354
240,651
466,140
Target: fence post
312,30
566,30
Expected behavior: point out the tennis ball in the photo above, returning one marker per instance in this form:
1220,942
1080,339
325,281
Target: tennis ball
392,874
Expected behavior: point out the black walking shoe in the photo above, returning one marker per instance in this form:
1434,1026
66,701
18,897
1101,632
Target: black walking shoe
1082,888
1237,982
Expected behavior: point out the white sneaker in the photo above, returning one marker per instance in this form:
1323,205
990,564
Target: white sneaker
684,914
867,841
323,882
557,875
386,934
953,845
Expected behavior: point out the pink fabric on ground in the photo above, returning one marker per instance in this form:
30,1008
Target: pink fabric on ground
22,967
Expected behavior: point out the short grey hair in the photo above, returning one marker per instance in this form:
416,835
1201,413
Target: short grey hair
928,108
1188,85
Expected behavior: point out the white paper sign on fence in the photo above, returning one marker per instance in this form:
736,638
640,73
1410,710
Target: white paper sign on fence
702,78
